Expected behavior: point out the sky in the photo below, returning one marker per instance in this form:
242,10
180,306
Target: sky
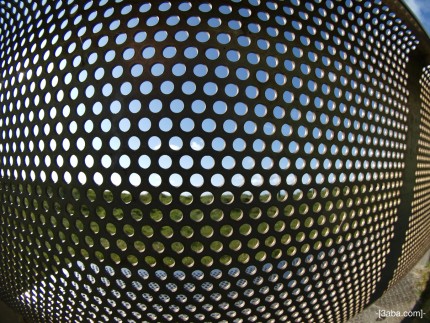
421,9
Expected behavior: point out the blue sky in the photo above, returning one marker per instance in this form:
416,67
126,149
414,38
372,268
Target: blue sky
421,9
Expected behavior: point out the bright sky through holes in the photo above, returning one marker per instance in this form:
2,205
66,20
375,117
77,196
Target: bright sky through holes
420,8
186,124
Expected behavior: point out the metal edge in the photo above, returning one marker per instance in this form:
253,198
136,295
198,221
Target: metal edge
410,19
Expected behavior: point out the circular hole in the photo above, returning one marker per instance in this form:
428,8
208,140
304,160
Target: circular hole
157,69
169,52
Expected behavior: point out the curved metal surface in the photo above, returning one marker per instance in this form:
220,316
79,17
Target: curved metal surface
217,161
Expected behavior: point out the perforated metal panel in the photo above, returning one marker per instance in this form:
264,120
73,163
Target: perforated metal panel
216,161
418,232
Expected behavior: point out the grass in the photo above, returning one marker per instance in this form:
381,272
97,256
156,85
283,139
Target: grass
177,247
235,245
197,246
137,214
128,230
216,246
207,231
187,231
176,215
94,227
206,198
196,215
139,246
121,244
149,229
167,231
